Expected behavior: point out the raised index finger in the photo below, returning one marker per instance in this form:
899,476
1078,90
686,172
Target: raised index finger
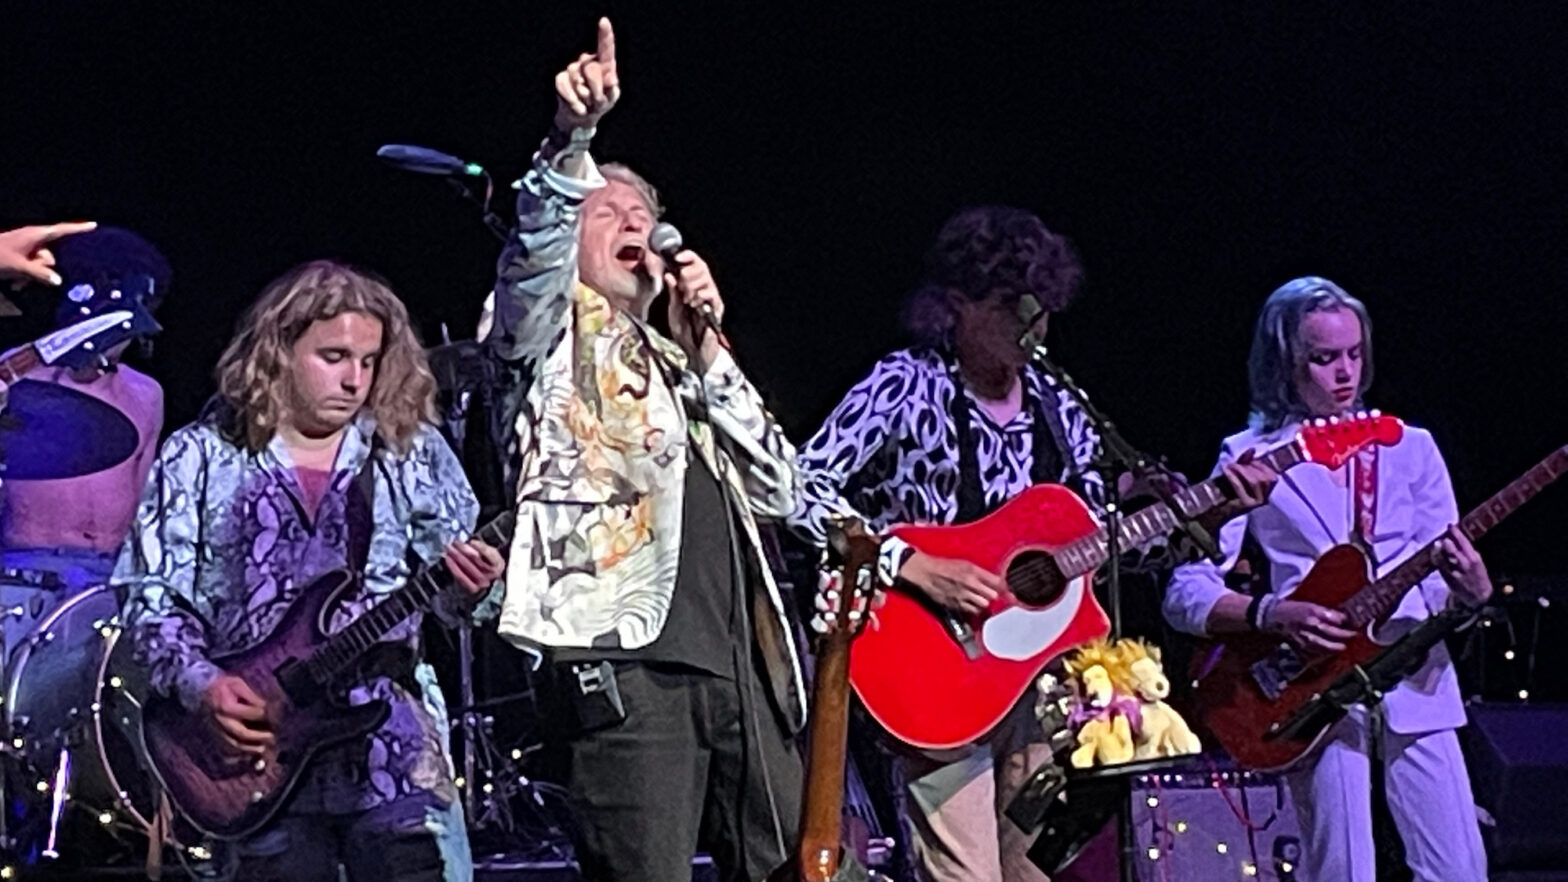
606,51
60,231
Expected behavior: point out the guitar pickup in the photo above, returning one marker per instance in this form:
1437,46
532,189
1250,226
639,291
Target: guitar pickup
963,635
1276,671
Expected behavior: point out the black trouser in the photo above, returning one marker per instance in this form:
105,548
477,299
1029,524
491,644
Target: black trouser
698,759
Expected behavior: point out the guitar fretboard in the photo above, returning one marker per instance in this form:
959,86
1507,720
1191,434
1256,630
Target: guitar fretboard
344,648
1145,525
1378,599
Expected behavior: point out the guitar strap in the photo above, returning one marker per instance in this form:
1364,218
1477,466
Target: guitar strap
1045,465
360,511
1364,500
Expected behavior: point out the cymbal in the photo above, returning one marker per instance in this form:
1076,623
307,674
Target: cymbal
49,432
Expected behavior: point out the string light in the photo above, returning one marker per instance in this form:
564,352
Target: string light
1222,848
7,872
461,782
106,818
200,853
1287,867
517,753
43,786
1154,853
1524,695
1153,801
1181,826
1248,868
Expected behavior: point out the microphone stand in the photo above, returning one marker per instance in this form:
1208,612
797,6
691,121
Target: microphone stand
1117,452
492,221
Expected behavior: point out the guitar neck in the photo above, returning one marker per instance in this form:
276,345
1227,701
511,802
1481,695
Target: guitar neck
823,805
1377,600
344,648
1145,525
19,362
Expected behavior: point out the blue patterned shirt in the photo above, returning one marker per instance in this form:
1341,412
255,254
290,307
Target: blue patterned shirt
223,544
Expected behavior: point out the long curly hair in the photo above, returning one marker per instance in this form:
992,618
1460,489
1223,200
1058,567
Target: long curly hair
986,249
253,371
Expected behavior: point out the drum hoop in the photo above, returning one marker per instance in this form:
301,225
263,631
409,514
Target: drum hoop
13,680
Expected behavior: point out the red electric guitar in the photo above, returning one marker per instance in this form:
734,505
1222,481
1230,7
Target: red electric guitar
938,679
1255,682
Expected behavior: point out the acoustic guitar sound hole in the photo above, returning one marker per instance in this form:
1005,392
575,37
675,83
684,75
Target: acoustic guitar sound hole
1035,578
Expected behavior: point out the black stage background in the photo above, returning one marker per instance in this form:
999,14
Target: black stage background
1198,156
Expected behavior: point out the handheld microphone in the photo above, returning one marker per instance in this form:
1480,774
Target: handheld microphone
423,160
666,242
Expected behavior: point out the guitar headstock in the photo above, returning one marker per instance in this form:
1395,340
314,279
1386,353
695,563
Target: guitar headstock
1332,441
851,577
107,320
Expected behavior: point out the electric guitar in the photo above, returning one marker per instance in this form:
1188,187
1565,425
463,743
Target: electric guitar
819,855
1250,685
82,344
302,674
937,679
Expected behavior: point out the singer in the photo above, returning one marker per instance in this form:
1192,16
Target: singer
944,433
641,465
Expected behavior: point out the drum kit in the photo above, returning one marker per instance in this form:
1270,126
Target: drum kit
77,789
71,744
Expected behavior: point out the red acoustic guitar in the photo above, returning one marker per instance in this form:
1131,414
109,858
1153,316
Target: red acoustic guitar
938,679
1249,685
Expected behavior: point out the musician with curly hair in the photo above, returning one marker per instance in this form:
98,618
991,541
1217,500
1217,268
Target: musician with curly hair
945,432
317,453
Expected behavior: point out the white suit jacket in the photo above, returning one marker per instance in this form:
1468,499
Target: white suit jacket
1311,511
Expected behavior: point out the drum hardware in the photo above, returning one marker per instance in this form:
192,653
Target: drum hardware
72,732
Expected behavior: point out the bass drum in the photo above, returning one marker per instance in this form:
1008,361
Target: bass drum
73,717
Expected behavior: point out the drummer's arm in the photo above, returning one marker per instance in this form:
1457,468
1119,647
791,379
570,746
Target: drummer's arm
156,569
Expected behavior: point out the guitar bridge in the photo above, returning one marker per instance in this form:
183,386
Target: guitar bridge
1277,670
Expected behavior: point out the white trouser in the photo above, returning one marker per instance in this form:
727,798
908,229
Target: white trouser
957,799
1429,797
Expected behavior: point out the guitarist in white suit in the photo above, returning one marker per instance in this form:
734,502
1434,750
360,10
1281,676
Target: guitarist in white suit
1311,357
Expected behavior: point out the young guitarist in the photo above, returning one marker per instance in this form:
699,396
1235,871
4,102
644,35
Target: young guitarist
317,453
1311,357
944,433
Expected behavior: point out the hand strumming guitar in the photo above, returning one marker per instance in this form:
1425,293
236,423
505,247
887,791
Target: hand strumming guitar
954,584
1309,626
239,715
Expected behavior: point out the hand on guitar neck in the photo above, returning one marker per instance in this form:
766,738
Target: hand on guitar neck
962,586
1462,568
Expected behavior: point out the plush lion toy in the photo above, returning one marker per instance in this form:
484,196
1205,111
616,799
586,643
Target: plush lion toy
1164,732
1120,713
1105,716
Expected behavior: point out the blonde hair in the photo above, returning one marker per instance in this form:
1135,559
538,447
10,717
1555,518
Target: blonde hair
614,171
254,369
